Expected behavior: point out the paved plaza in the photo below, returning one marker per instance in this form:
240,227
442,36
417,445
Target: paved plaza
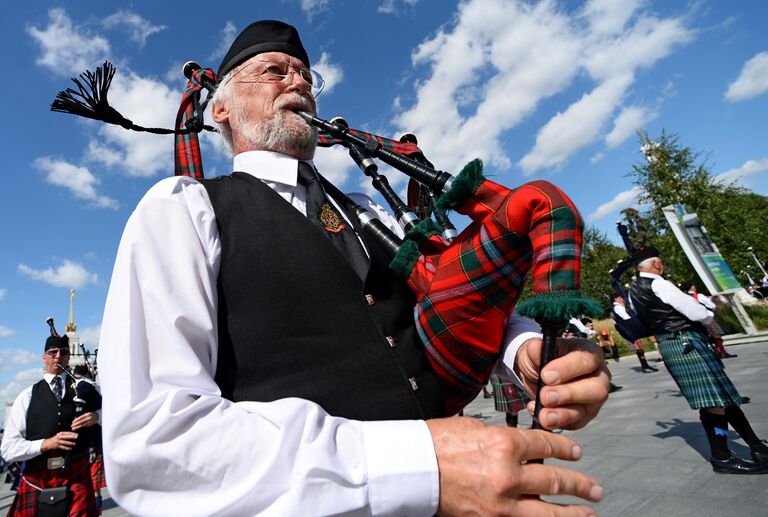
647,446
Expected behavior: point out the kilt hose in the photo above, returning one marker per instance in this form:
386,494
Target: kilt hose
507,396
698,373
77,476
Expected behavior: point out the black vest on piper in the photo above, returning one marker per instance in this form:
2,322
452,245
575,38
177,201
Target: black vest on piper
657,316
296,321
46,417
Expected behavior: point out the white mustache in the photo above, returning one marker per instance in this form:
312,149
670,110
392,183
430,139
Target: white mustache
294,99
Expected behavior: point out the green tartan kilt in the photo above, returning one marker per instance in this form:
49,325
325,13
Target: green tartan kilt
507,397
699,373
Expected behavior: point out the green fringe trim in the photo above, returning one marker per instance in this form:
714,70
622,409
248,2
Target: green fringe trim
559,306
405,258
463,187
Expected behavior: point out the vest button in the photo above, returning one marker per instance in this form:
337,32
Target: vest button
370,299
414,384
392,340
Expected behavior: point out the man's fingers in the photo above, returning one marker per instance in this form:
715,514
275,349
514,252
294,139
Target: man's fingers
592,389
537,444
568,417
538,479
535,507
580,360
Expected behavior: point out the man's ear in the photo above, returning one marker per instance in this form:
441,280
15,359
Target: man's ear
220,112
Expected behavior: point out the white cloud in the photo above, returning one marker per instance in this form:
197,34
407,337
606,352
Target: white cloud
493,66
139,29
509,54
2,293
607,17
331,72
69,274
20,381
391,7
226,37
622,200
312,7
78,180
752,81
66,48
90,335
12,358
6,332
149,103
576,127
630,119
334,163
749,168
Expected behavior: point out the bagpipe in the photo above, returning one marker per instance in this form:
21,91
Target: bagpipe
466,285
630,329
87,398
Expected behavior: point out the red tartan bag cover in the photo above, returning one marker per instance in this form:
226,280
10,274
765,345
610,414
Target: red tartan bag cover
467,289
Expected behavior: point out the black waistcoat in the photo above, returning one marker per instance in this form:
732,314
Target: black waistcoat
658,316
296,321
46,417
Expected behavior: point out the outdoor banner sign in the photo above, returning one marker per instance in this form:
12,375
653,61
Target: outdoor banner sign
700,250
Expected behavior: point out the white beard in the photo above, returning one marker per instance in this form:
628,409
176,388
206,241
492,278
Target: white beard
285,132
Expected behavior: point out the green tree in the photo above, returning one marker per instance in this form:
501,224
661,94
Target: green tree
671,173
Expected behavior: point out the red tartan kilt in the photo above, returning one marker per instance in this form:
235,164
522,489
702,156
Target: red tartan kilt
97,473
77,476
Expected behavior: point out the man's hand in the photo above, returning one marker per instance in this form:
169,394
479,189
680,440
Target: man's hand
576,381
482,471
64,440
85,420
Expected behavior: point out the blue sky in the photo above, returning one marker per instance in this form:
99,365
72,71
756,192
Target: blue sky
551,90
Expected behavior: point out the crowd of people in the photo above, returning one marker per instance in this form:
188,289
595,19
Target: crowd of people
258,356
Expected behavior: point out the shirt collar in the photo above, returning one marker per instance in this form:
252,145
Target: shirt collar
649,275
269,166
49,377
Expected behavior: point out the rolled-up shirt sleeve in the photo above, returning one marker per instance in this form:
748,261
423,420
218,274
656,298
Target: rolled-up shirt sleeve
15,446
682,302
174,446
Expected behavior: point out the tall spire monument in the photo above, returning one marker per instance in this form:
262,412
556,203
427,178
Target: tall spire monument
75,351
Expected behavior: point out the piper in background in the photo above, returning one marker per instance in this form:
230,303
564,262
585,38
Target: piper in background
44,431
678,322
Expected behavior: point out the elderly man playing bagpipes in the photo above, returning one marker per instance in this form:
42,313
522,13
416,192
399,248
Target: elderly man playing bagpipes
261,355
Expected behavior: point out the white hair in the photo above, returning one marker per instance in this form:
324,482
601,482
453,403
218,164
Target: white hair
223,94
647,263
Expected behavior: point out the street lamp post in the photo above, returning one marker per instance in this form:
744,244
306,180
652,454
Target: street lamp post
757,261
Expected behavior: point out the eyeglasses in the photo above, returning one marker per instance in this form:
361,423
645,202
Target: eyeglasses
53,352
278,71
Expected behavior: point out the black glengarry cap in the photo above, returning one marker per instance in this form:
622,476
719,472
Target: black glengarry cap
263,36
645,252
56,342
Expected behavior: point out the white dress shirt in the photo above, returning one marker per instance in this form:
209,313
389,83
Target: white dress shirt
686,305
621,310
15,446
173,445
576,322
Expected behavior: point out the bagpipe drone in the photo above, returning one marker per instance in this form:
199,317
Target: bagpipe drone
466,285
632,328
